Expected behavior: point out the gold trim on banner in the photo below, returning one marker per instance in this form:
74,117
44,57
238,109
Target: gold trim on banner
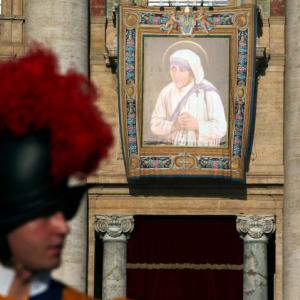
182,266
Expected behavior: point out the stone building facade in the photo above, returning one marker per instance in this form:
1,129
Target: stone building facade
114,202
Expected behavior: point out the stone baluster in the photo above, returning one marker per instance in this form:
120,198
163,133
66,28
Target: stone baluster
255,232
114,231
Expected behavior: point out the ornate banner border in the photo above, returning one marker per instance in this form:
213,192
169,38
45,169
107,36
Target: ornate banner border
143,161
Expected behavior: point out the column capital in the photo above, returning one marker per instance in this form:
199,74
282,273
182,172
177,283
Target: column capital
253,227
114,226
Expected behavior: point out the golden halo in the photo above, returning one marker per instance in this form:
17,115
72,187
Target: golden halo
193,46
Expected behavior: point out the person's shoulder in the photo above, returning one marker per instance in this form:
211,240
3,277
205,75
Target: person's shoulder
70,293
6,298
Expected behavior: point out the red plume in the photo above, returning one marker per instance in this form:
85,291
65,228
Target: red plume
35,96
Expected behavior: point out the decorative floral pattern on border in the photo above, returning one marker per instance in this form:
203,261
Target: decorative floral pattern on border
215,163
131,126
155,162
242,66
220,19
238,128
130,79
153,18
161,19
130,56
242,55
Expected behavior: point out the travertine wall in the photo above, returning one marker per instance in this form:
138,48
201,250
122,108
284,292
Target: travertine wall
267,152
291,251
264,191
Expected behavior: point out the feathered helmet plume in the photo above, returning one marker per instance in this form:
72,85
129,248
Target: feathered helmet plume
34,97
56,111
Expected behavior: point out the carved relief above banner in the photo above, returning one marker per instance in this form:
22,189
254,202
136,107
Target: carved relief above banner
186,80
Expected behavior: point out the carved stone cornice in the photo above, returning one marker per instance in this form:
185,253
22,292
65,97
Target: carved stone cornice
255,227
114,226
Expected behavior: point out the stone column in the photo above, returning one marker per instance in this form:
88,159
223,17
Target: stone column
63,26
255,231
291,211
114,230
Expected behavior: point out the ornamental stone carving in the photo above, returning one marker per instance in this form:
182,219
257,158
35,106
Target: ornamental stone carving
114,226
114,231
255,232
256,227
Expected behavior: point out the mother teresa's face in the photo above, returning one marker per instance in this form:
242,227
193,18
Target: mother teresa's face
181,76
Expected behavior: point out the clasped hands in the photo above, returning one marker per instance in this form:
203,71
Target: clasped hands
186,121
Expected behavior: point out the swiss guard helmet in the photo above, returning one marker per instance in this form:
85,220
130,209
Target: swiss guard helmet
50,130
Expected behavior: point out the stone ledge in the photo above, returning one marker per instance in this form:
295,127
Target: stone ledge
262,178
268,191
98,20
140,205
277,20
12,18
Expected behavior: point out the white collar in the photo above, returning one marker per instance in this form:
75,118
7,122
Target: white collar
38,285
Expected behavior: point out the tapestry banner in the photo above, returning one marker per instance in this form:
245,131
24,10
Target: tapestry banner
186,90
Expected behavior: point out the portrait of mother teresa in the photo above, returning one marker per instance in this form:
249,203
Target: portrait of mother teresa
189,110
